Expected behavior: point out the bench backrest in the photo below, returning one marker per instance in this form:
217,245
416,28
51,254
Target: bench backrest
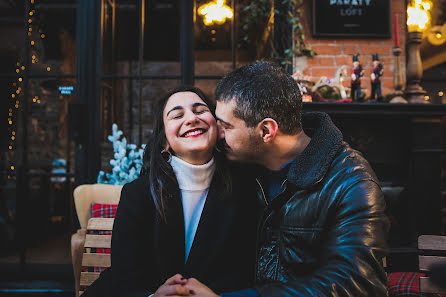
93,258
431,244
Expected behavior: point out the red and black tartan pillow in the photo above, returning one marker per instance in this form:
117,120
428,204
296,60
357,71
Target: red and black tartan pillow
406,284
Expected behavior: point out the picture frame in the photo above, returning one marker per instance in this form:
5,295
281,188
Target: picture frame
351,18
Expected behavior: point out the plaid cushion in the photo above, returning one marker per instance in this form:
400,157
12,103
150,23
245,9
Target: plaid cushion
99,210
406,284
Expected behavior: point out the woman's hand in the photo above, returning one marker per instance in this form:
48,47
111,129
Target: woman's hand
174,286
198,289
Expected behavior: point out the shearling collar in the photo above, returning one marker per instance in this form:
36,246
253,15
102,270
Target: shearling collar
310,166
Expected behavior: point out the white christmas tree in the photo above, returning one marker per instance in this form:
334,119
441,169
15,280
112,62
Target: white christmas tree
127,160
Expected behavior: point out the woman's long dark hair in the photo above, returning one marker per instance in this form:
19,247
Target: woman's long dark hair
163,182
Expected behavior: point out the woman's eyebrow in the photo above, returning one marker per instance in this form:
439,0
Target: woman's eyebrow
199,104
174,108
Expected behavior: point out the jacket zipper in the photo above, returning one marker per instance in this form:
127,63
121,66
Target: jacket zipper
262,223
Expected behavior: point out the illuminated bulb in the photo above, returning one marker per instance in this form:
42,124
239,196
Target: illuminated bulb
18,64
23,67
13,95
30,21
440,93
16,106
32,42
29,33
12,167
10,147
13,132
12,137
38,101
20,79
34,61
30,29
215,12
10,122
418,15
32,1
17,70
48,68
43,35
18,92
426,98
33,56
34,99
31,13
438,35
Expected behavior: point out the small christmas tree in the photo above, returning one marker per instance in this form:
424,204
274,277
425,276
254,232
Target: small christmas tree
127,162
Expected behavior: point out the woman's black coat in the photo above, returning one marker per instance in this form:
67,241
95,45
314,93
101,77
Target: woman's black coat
146,250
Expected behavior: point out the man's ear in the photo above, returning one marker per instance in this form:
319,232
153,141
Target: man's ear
268,129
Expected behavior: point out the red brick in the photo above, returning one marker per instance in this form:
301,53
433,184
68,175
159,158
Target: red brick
323,71
350,49
326,61
387,83
312,61
344,60
375,49
327,49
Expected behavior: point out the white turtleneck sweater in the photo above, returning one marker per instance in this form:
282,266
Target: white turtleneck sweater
194,182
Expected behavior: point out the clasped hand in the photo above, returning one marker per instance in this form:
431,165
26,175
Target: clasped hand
177,285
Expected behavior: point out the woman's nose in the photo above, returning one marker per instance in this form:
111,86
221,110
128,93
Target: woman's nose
191,117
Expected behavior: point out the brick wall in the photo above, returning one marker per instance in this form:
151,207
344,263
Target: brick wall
335,52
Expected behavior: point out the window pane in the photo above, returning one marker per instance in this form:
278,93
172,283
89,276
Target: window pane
214,44
52,39
121,104
207,86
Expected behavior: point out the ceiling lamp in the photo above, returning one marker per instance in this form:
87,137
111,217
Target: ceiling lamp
215,12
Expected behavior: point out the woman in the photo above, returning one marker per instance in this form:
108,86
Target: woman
183,214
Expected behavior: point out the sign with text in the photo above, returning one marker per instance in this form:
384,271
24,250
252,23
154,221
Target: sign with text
351,18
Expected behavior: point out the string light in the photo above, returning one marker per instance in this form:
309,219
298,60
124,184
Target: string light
14,95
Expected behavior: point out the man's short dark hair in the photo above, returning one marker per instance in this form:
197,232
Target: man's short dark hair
263,90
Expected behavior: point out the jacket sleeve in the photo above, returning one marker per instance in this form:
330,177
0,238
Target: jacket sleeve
351,258
129,270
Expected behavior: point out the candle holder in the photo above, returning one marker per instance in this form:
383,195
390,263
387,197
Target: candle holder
414,72
397,77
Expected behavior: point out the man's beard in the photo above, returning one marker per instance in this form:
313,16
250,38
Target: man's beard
251,154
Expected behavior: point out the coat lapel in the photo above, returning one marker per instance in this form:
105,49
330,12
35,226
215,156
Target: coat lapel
170,235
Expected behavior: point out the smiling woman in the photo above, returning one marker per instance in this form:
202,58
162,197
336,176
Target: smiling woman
184,216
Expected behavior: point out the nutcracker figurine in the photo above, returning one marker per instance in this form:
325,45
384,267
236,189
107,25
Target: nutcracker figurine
377,72
357,73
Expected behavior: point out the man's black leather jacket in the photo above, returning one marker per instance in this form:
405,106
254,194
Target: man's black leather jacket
324,234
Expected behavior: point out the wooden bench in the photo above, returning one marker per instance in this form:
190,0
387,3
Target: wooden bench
431,244
92,259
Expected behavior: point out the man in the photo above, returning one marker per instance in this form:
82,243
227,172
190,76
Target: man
323,229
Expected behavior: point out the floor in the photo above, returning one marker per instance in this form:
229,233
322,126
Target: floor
47,270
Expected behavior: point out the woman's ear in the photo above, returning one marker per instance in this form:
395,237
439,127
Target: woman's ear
268,129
